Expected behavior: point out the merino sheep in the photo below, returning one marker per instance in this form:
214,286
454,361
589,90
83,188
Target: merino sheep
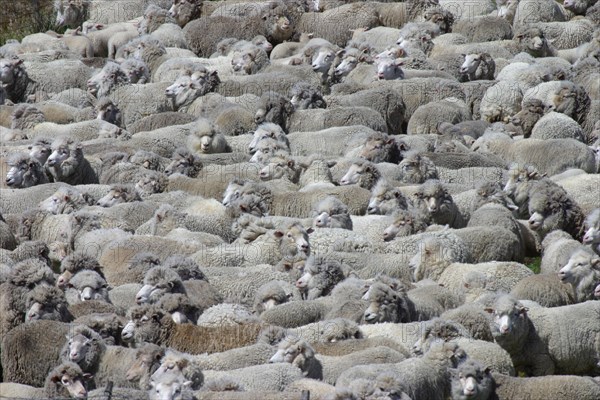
331,213
67,163
87,285
119,194
205,139
582,274
534,343
25,171
386,199
406,223
363,173
189,86
108,79
434,200
417,168
65,200
319,277
25,117
592,233
108,111
545,387
156,327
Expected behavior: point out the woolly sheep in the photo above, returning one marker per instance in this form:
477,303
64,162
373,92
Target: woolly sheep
405,223
545,289
319,277
546,386
87,285
552,208
433,199
156,327
25,171
531,338
46,302
189,86
67,163
331,213
204,138
582,274
592,233
426,377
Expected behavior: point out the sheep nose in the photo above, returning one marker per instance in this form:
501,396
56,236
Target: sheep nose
74,355
380,75
371,210
32,316
386,237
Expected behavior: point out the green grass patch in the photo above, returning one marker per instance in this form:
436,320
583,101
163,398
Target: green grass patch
20,18
534,264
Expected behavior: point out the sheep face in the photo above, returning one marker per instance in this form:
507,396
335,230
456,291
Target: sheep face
64,201
150,293
40,150
581,265
183,11
592,225
433,197
24,171
471,382
356,172
346,66
509,319
232,192
73,384
294,351
471,63
388,69
304,97
266,149
385,199
169,390
136,71
322,60
518,176
151,182
78,347
118,195
147,361
39,311
533,41
265,132
9,71
278,168
188,88
109,112
70,12
294,240
383,304
402,222
184,163
106,80
323,220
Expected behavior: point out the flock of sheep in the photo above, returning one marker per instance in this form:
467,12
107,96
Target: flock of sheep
292,199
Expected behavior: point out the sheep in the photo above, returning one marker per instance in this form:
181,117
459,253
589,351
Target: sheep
87,285
405,223
592,233
40,149
136,70
25,171
552,208
203,34
174,363
472,381
25,117
531,112
25,81
47,302
546,387
573,154
501,101
157,327
386,199
363,173
531,339
298,352
545,289
189,86
425,377
319,277
185,163
67,163
108,111
108,363
119,194
157,282
270,295
582,274
331,213
434,200
30,350
274,108
183,11
107,80
205,139
417,168
477,67
107,325
304,96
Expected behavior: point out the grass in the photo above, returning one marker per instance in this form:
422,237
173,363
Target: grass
534,264
20,18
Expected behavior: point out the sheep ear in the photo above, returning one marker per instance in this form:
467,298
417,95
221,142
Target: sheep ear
56,378
310,230
595,263
523,310
278,234
340,53
402,146
291,163
489,310
487,370
87,376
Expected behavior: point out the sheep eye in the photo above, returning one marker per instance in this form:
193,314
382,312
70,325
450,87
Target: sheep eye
65,381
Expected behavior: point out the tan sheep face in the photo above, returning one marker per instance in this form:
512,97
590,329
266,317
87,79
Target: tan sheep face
400,222
40,152
274,170
295,239
581,265
390,69
346,66
78,347
353,175
59,155
74,386
55,203
168,390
